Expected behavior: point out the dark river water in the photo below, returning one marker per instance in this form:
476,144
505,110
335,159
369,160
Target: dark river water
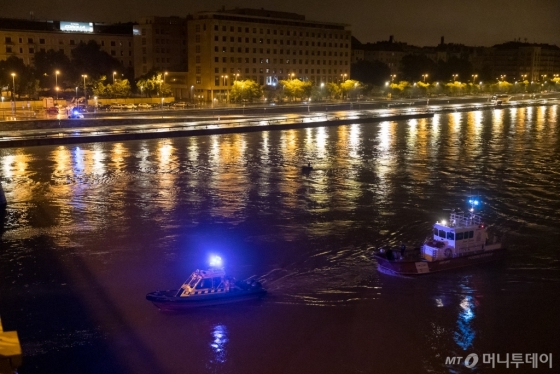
90,229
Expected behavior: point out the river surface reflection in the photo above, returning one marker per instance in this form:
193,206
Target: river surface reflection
91,228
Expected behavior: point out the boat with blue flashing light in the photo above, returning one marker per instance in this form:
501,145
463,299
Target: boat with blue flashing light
463,241
207,288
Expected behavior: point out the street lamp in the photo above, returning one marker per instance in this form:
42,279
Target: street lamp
161,85
114,76
343,77
291,76
393,76
192,87
56,82
474,77
503,77
455,77
76,94
85,95
13,86
424,76
224,83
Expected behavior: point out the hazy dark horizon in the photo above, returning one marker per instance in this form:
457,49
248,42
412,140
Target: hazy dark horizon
476,23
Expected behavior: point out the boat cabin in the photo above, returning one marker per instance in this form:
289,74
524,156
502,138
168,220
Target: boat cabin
463,234
204,282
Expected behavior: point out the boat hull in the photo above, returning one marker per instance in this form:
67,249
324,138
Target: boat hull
422,267
166,301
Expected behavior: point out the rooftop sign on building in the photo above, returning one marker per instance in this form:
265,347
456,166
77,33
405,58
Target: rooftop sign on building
76,26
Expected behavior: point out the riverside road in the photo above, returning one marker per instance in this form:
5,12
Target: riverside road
157,123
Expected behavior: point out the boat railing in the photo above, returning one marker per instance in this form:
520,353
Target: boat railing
461,219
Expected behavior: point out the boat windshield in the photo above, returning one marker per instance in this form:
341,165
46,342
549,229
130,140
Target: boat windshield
193,279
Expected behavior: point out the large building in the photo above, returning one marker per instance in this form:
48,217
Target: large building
518,60
160,43
24,38
265,46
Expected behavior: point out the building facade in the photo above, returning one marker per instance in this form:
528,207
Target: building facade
24,38
160,43
264,46
526,61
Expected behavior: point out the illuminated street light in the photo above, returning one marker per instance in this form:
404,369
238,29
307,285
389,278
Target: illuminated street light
85,95
455,77
393,76
474,76
56,82
424,76
114,76
13,86
224,83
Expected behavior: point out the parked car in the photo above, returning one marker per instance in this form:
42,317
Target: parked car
179,104
144,106
129,106
52,110
116,107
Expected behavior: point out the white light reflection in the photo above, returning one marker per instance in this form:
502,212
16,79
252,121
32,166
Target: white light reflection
386,162
7,165
321,142
412,135
218,345
354,140
79,159
497,122
513,113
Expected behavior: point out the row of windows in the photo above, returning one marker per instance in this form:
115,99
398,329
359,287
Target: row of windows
165,41
163,32
246,30
271,79
281,51
456,236
8,40
271,71
275,41
280,61
32,50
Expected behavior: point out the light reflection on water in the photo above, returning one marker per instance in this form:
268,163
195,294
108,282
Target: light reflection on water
219,344
146,206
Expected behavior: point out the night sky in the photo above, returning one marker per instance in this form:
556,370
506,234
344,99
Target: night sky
417,22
